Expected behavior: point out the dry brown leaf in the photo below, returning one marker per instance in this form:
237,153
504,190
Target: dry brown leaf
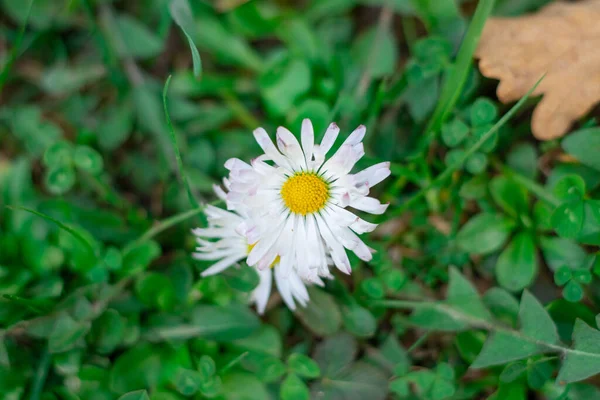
561,40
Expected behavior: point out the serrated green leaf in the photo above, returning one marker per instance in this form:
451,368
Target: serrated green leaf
463,296
535,320
502,347
584,360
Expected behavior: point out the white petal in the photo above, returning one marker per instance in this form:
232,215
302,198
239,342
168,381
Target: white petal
290,147
263,246
373,175
284,288
261,293
369,204
329,139
264,141
338,254
216,255
222,265
361,226
356,136
307,134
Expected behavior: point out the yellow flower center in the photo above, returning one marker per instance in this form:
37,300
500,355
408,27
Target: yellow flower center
305,193
275,261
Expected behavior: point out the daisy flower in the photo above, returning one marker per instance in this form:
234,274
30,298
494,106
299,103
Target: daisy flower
224,241
298,200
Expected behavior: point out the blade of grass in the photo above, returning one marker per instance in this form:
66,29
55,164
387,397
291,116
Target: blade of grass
173,138
459,72
164,225
181,14
61,225
14,52
468,153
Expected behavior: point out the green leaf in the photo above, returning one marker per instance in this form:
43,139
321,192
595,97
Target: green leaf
222,324
173,138
335,354
535,320
573,292
133,39
244,279
583,145
322,314
29,127
135,395
139,257
509,195
476,163
454,132
483,111
584,360
181,13
61,79
559,252
502,347
59,154
293,388
536,326
501,303
570,188
145,365
357,382
377,50
463,296
303,366
116,126
435,319
188,382
221,41
59,180
523,158
283,83
66,334
77,235
567,219
359,321
517,265
513,371
457,77
484,233
266,340
108,331
88,160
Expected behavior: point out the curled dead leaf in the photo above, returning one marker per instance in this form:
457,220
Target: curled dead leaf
561,41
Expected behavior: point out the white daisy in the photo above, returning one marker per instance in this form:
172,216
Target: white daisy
225,241
298,200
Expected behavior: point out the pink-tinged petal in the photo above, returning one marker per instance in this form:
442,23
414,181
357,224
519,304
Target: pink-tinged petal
356,136
307,136
264,141
290,147
373,175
